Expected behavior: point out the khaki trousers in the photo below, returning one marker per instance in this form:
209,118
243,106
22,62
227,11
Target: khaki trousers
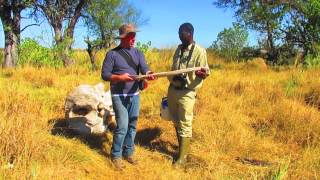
181,104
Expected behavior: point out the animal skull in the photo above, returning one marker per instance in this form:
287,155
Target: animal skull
88,109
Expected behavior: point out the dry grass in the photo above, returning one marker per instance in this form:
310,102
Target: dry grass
250,123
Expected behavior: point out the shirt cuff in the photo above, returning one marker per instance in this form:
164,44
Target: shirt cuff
106,76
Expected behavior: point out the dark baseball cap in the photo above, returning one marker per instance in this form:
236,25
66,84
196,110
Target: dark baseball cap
125,29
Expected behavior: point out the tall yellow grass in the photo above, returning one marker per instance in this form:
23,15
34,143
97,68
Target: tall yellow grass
251,122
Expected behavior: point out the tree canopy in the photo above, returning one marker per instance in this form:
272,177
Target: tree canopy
286,25
103,18
231,41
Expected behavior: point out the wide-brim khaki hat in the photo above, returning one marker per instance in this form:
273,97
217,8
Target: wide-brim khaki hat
125,29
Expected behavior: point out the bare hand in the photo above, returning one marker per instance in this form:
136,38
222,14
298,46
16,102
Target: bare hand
202,73
150,77
126,77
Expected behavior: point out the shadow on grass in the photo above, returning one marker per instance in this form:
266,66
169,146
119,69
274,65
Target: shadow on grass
150,138
147,138
99,143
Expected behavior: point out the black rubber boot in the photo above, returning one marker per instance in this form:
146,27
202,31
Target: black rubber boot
175,157
177,134
184,144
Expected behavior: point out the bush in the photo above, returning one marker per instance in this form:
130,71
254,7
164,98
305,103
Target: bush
31,52
230,42
312,61
144,47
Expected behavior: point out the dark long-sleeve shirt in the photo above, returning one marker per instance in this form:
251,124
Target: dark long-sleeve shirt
114,63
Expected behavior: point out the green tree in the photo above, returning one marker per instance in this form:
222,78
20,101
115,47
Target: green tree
262,16
231,41
303,29
103,18
143,47
10,14
32,53
288,25
63,16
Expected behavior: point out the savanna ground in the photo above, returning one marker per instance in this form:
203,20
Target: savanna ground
251,122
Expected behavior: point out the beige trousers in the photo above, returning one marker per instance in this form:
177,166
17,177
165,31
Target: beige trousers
181,104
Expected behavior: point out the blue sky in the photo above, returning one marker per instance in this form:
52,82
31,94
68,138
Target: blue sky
164,16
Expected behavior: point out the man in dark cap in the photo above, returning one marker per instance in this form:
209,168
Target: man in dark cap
183,88
119,67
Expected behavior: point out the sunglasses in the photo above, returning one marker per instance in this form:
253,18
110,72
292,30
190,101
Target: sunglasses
184,32
131,34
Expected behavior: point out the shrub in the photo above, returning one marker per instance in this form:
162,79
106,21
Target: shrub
292,84
312,61
143,47
31,52
230,42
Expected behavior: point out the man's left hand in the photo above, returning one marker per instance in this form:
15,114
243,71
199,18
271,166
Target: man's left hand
150,77
202,73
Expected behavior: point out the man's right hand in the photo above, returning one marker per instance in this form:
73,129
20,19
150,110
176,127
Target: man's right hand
126,77
202,73
122,77
150,77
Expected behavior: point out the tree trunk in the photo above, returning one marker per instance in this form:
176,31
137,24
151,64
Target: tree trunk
73,21
11,54
58,33
67,61
272,51
62,44
11,29
63,53
90,50
63,39
68,35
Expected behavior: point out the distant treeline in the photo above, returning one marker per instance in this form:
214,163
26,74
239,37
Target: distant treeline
102,19
289,30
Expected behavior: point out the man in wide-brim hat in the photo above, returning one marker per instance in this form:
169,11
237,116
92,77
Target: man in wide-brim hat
125,29
120,66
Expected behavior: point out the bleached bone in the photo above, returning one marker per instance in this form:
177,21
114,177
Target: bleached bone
171,73
88,109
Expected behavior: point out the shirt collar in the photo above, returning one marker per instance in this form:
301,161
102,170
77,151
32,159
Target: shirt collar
189,47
